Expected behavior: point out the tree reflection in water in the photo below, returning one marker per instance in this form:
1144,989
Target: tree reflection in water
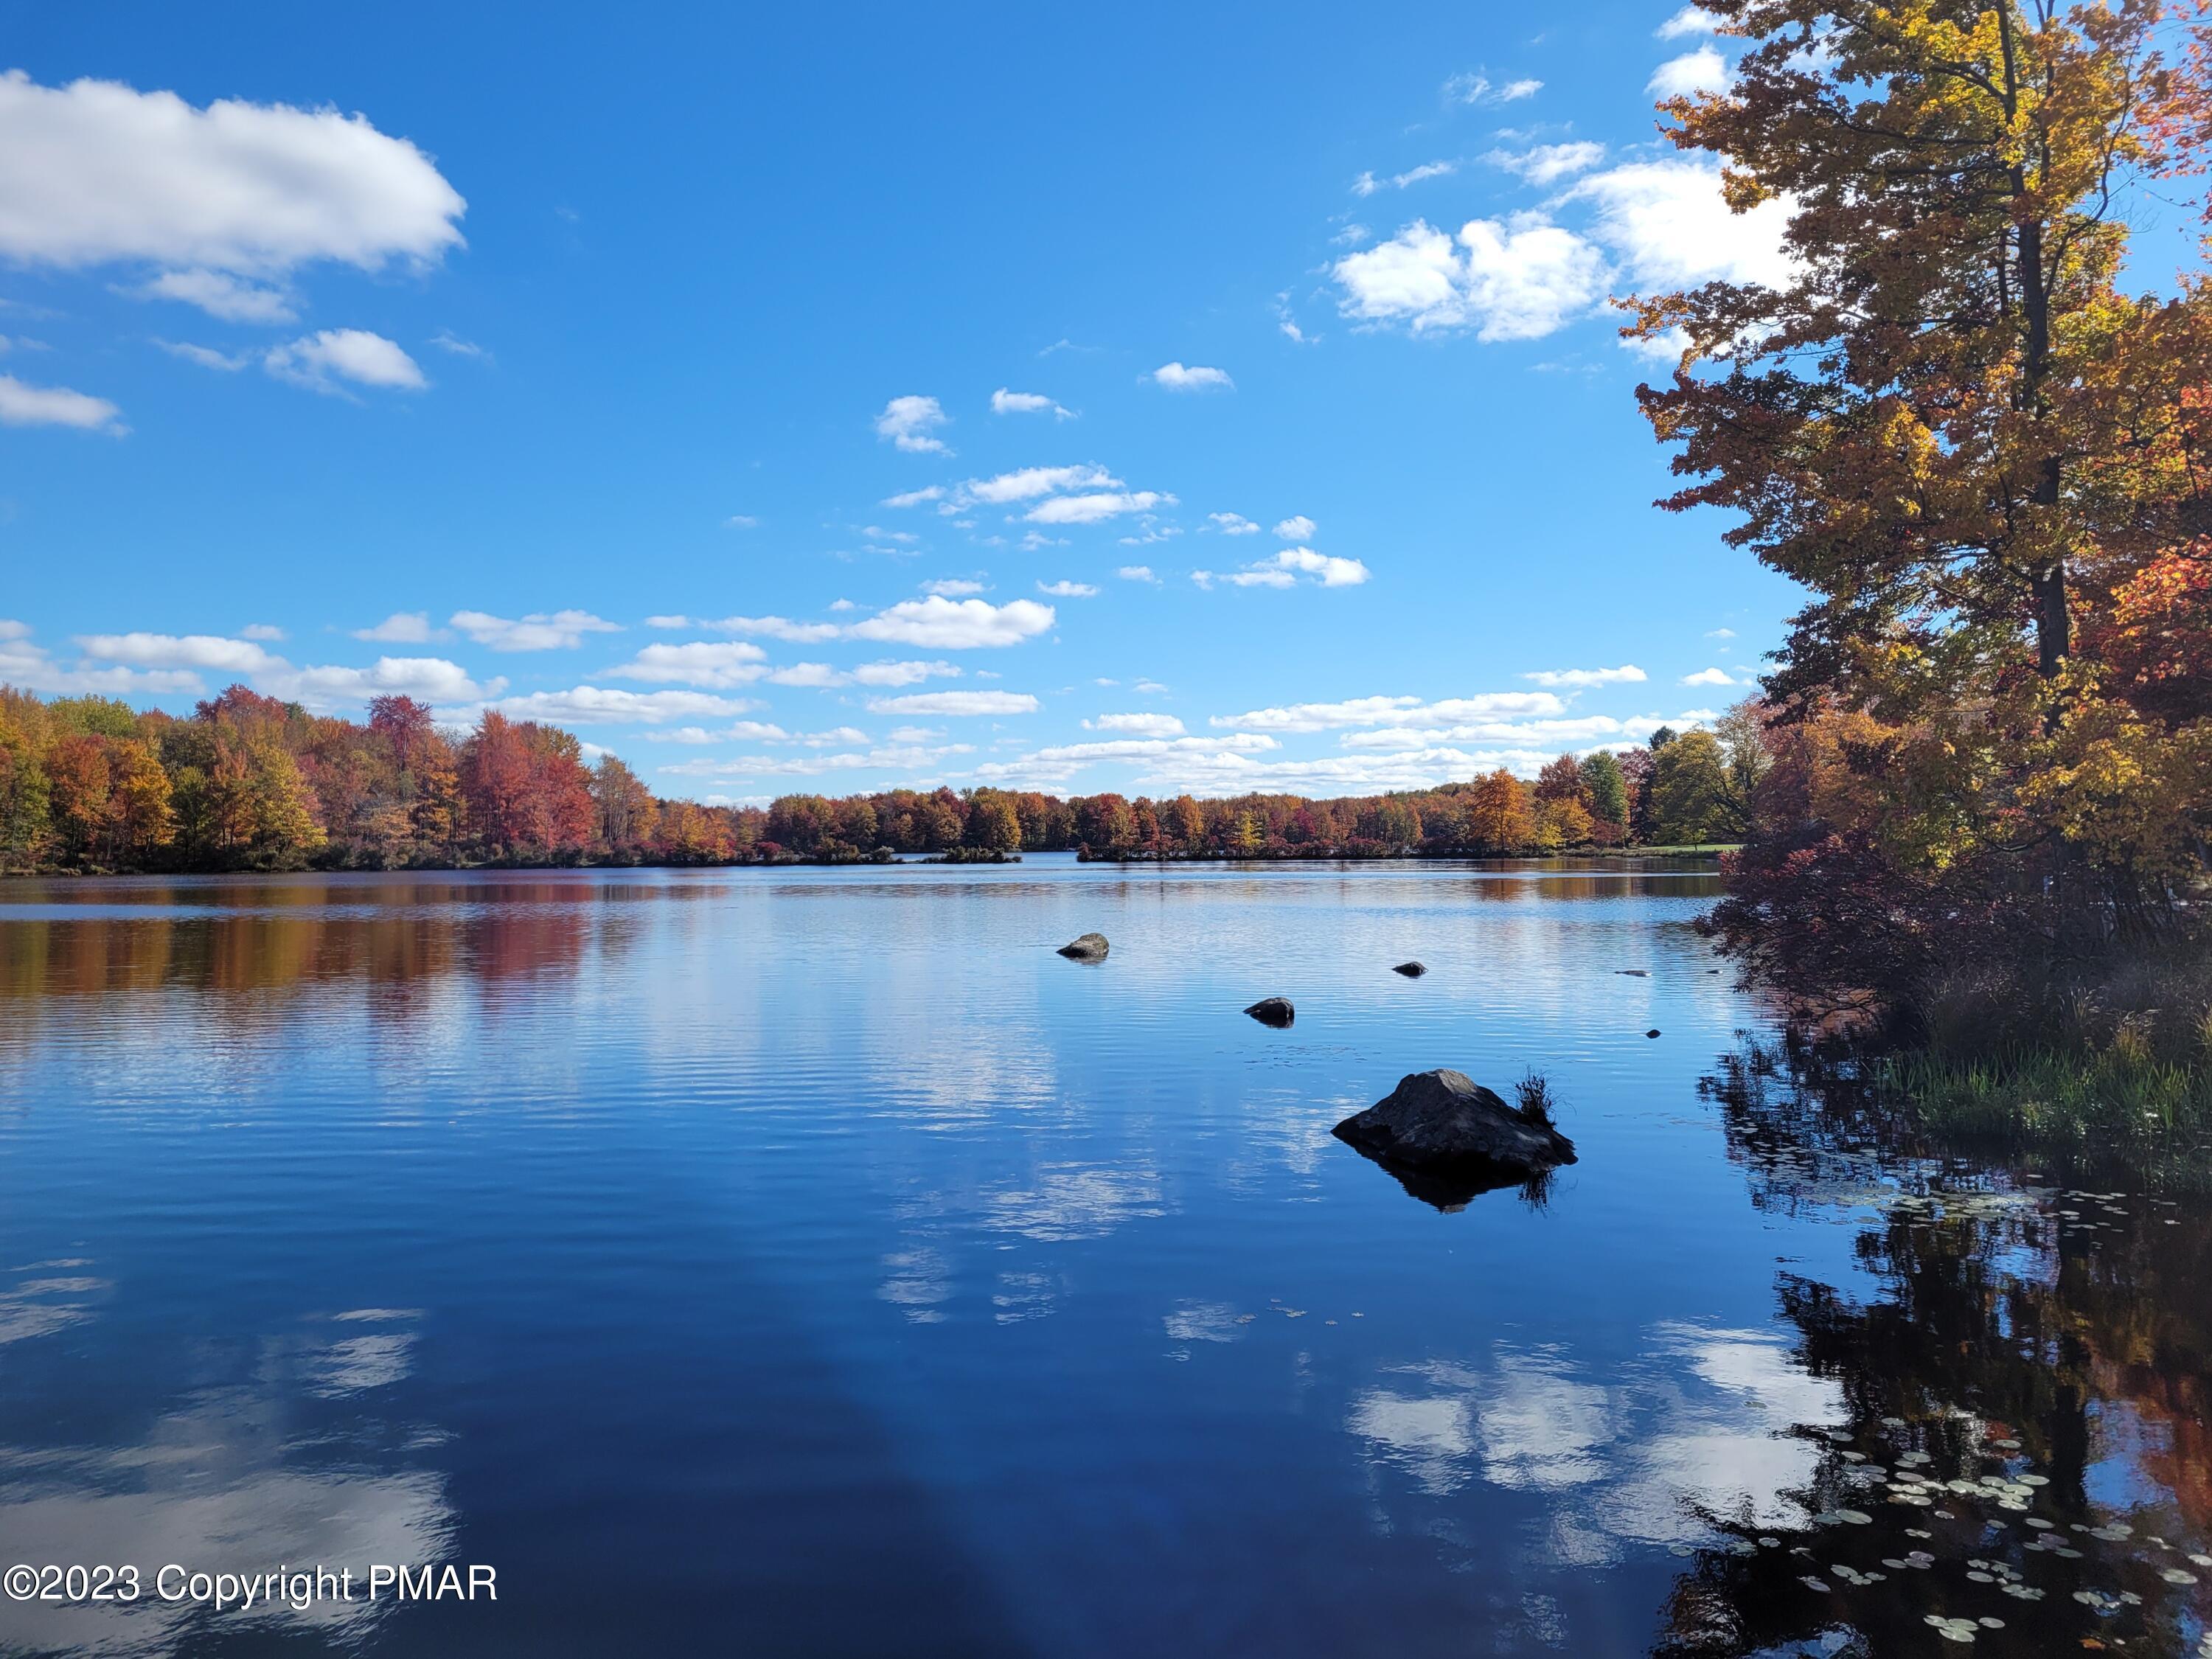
2026,1467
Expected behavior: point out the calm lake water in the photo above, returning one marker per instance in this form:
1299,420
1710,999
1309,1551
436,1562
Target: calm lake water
813,1262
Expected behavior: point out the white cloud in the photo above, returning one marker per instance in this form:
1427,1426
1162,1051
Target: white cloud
1380,711
1702,71
1296,528
1367,184
706,663
1516,280
1233,524
1069,590
540,631
1031,482
1669,224
220,294
592,705
952,587
1136,573
915,497
445,340
27,667
24,404
1709,677
1094,508
1004,402
908,422
1138,725
778,627
905,758
400,628
1690,20
1720,634
319,360
208,356
1475,87
206,651
426,680
1547,164
1627,674
1287,567
1175,377
955,702
737,731
944,624
265,631
100,173
741,521
902,673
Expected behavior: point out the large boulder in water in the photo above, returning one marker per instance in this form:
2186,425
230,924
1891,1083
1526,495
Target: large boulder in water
1091,947
1442,1122
1273,1011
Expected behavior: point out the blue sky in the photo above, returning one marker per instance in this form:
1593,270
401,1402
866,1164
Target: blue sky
788,400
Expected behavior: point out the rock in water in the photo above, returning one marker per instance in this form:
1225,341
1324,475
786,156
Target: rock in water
1442,1120
1273,1011
1091,947
1410,970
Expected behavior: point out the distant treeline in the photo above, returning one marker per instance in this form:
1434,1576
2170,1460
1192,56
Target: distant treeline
248,783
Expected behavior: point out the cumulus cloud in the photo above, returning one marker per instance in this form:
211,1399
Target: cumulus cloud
1067,590
1667,223
261,631
540,631
1367,184
955,702
1547,164
426,680
1709,677
1649,225
1690,20
1296,528
29,667
1383,711
952,587
942,624
1097,507
704,662
1232,524
24,404
909,421
822,677
736,731
915,497
319,361
207,651
1473,87
1004,402
1178,377
1029,482
225,201
1136,573
1516,279
220,294
592,705
1702,71
1284,569
400,628
1138,725
777,628
1627,674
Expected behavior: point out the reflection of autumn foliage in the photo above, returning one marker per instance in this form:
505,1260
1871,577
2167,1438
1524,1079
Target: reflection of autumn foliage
1997,1317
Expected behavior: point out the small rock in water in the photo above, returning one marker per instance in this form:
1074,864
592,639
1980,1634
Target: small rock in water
1410,970
1091,947
1633,973
1653,1032
1273,1011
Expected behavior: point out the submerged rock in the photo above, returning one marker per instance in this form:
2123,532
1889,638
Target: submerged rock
1442,1122
1410,970
1091,947
1653,1032
1273,1011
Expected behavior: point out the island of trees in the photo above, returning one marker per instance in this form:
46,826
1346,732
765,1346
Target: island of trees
248,783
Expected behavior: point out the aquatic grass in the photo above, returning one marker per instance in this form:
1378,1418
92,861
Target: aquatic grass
2124,1093
1537,1104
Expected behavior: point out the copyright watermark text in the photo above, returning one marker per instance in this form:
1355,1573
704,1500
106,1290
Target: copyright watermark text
297,1587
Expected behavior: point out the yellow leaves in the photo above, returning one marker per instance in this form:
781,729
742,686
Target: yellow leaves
2126,792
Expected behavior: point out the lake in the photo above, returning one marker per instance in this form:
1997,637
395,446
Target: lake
811,1261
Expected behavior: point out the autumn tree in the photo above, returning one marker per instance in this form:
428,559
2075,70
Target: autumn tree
1498,818
1605,790
1985,458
